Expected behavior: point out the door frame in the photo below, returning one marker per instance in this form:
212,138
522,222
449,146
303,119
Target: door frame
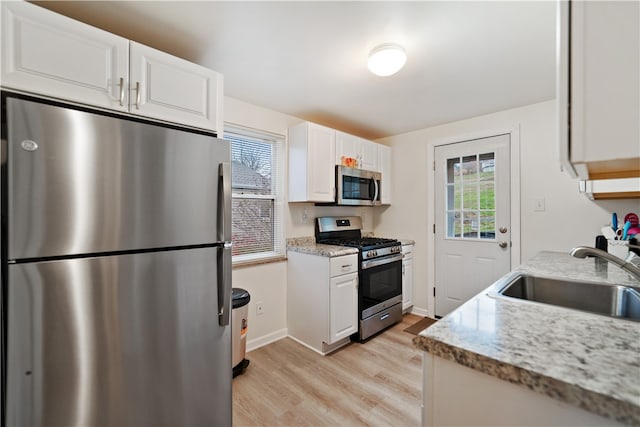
514,159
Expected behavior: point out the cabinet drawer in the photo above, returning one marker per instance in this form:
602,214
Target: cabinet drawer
344,265
407,251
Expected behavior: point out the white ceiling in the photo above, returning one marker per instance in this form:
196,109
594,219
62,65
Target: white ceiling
308,59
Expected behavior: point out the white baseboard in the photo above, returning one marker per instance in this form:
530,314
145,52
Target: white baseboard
420,312
266,339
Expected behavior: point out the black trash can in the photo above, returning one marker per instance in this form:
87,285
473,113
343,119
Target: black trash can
239,314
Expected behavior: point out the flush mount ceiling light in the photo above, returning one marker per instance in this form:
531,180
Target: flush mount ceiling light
386,59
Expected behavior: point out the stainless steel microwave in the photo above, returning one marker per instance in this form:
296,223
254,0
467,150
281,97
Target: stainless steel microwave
357,187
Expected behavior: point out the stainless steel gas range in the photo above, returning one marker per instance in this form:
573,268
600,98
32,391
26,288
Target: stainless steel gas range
379,272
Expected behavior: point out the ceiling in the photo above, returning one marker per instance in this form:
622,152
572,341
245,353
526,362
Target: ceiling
308,59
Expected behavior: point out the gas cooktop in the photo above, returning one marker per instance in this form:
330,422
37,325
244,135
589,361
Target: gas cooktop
364,243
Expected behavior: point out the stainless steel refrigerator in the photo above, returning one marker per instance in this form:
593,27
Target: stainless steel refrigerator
116,270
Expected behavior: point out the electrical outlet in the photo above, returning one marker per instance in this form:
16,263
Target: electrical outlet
304,216
259,308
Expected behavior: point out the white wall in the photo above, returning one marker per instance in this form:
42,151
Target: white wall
267,282
570,219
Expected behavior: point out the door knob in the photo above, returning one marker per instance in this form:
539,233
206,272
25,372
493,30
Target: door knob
503,230
503,244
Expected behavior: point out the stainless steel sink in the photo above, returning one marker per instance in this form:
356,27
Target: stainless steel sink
606,299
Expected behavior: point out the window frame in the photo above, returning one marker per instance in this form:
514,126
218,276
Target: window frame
277,195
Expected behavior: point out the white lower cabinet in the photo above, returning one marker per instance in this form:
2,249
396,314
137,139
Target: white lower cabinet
407,278
322,300
455,395
343,300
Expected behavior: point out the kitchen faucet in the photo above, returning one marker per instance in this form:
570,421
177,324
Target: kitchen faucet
584,251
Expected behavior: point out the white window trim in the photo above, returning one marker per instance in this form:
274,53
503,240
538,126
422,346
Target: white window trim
278,183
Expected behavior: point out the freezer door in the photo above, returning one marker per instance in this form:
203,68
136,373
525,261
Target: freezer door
81,183
130,340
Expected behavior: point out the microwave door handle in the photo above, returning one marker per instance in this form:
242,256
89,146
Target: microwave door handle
376,189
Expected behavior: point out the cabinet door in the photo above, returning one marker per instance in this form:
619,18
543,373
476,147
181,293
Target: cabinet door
605,89
169,88
366,152
343,307
384,162
49,54
347,146
369,156
407,283
320,167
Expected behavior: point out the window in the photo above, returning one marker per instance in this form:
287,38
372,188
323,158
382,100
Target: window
471,205
257,188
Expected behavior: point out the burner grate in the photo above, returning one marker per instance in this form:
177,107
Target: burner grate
364,242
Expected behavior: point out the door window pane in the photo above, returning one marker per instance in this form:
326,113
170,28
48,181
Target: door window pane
470,197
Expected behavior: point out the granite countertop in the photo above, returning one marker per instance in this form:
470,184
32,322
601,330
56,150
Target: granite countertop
585,359
308,245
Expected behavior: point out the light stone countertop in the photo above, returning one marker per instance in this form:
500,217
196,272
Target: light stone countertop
307,245
585,359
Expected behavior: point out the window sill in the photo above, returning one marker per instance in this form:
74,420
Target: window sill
254,262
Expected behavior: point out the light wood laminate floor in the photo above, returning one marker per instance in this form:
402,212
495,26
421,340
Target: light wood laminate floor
377,383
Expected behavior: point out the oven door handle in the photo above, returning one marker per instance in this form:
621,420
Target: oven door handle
381,261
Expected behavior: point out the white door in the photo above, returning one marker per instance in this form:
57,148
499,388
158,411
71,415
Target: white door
472,213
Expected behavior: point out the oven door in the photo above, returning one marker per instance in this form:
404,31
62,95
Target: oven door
380,284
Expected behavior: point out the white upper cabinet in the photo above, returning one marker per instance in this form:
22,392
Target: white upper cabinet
369,156
384,167
49,54
311,163
366,152
601,96
315,150
169,88
347,146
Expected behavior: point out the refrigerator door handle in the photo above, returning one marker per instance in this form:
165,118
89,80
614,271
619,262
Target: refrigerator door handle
224,284
224,235
224,204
